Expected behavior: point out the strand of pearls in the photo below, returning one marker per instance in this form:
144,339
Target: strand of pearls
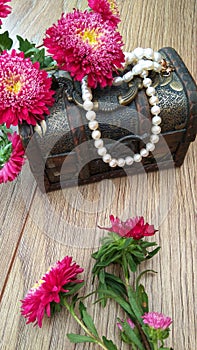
143,60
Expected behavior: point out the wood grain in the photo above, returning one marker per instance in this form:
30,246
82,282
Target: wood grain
37,230
13,214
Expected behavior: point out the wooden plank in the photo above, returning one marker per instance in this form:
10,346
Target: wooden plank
15,202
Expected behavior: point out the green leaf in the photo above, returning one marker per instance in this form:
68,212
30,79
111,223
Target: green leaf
73,288
77,338
87,319
111,259
5,41
142,298
131,262
134,305
132,336
25,45
109,344
120,300
38,56
146,244
115,283
151,254
141,274
55,307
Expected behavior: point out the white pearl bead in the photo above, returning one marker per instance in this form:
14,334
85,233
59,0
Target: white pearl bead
85,89
156,120
150,91
90,115
139,52
96,134
98,143
155,110
131,57
148,65
157,67
149,53
137,157
150,147
121,162
153,100
157,56
154,138
144,74
128,77
156,129
113,163
88,105
129,160
147,82
137,69
107,158
144,152
117,81
102,151
86,96
93,125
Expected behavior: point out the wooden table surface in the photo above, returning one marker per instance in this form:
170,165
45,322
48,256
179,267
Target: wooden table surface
37,230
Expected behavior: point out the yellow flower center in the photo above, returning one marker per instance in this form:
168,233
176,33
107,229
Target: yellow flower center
41,281
38,284
13,84
90,36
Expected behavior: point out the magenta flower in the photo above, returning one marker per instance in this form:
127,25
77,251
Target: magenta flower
48,289
83,44
108,10
24,90
4,9
13,161
133,227
157,320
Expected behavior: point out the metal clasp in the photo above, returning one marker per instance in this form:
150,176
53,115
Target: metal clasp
167,68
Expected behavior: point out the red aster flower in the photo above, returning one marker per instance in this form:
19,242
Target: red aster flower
133,227
157,320
83,44
48,289
108,10
11,158
4,9
24,90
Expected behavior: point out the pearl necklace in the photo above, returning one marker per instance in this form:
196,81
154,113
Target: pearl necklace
143,60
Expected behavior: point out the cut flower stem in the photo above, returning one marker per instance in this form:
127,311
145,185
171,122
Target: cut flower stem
95,339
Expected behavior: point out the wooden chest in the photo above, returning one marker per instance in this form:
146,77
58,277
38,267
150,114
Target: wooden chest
65,156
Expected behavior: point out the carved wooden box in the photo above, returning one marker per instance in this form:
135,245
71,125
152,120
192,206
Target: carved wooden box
65,156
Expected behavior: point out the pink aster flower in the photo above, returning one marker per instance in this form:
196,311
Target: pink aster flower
133,227
83,44
108,10
48,289
157,320
24,90
4,9
15,160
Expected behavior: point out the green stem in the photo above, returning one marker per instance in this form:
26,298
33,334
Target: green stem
97,340
48,69
137,323
155,347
